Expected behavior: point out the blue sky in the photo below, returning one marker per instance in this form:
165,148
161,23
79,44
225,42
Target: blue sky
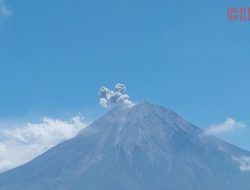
185,55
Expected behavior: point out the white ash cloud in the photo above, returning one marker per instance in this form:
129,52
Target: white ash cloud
113,97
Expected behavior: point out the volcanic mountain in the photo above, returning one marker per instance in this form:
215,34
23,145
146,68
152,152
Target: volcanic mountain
144,147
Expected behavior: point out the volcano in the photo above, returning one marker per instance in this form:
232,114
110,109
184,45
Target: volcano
144,147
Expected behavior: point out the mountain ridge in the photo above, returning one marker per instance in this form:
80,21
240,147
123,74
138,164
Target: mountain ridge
139,147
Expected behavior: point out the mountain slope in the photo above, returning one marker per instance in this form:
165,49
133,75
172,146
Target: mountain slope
145,147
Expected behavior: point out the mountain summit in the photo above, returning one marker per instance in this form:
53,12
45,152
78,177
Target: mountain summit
144,147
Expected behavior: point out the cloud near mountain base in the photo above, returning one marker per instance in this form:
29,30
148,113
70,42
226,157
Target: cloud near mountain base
22,144
230,125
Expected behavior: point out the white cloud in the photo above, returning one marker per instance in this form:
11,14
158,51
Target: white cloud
229,125
20,145
244,162
4,11
112,97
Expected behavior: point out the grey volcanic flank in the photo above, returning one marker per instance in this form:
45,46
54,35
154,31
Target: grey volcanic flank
144,147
